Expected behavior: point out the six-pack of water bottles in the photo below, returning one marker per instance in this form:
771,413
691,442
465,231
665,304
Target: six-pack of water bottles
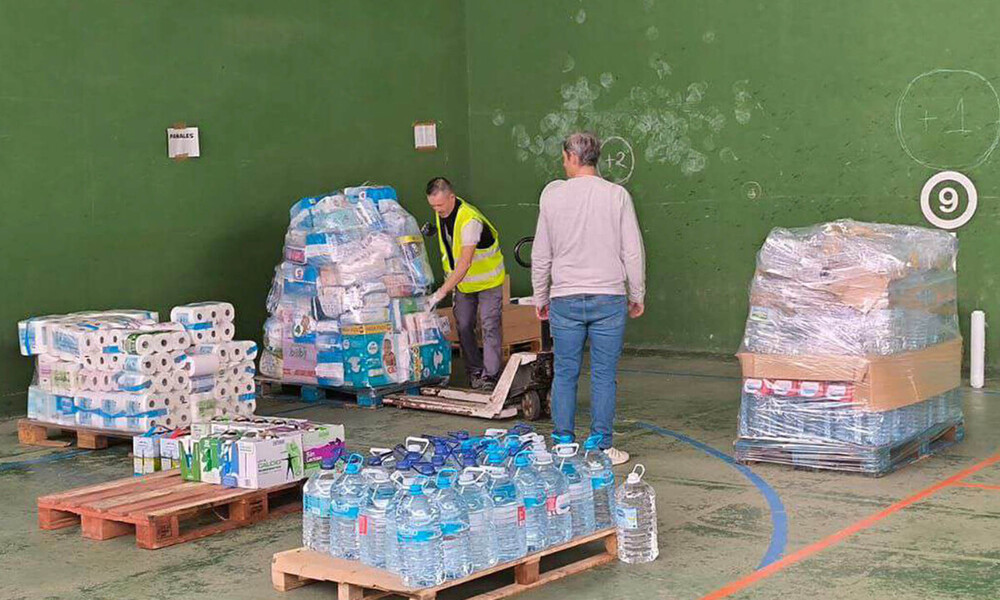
126,370
348,303
851,347
437,508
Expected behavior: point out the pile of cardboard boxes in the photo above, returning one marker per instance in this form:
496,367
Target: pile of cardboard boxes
251,453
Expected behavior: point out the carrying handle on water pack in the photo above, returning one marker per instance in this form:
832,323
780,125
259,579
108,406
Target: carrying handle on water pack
495,432
635,477
418,441
574,446
480,473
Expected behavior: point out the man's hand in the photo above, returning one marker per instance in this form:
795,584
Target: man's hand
434,300
542,312
635,309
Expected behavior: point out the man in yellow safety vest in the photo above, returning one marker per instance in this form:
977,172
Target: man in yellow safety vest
473,266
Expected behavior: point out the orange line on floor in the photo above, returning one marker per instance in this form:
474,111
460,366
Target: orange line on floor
981,486
804,553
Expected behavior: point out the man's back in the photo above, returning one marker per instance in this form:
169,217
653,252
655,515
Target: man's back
588,241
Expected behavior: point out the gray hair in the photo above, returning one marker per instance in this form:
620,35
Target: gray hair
585,146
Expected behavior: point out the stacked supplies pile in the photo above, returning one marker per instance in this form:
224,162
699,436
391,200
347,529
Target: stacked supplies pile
127,371
852,350
249,452
348,303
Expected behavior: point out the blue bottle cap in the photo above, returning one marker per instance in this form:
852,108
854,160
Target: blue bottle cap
328,463
522,460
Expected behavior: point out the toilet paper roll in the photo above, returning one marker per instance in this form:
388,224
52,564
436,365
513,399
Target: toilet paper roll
181,340
145,403
102,362
203,312
242,350
219,350
115,361
144,365
226,332
106,382
148,342
90,361
197,365
179,381
201,336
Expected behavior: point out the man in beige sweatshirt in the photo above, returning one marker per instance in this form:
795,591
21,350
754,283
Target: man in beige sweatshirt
588,273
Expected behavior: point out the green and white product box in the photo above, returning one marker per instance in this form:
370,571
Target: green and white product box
269,461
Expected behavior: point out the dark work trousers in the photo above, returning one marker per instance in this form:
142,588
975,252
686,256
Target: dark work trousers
485,364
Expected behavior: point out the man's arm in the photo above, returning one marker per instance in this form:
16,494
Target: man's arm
634,258
541,264
456,277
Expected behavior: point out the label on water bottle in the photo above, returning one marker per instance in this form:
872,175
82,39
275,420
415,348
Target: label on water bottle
557,505
411,535
363,525
477,520
521,516
602,481
344,510
530,502
317,506
576,491
627,517
452,528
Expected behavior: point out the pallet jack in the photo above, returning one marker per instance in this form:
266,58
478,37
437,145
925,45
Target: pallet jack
524,386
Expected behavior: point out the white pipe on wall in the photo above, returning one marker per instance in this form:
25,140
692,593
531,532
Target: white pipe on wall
977,363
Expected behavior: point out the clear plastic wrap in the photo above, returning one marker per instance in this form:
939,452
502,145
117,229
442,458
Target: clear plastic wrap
342,301
853,289
851,352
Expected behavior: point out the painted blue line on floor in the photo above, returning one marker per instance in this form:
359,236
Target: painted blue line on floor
48,458
779,519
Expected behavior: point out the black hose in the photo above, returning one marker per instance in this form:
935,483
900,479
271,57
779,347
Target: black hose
525,241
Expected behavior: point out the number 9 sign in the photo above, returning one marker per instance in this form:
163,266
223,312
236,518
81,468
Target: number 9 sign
947,199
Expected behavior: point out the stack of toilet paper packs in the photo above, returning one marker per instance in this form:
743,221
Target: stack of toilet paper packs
349,302
125,370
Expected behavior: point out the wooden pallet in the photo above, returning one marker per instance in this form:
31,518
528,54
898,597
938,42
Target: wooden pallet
36,433
296,568
162,509
873,461
367,397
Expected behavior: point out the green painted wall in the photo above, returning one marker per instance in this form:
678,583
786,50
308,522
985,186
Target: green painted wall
293,99
798,97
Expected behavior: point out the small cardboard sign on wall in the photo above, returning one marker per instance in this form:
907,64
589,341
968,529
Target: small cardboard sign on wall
182,142
425,135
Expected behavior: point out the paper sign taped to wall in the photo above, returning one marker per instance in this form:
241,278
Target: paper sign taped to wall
183,143
425,135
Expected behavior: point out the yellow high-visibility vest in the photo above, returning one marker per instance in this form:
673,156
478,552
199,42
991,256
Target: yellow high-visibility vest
487,270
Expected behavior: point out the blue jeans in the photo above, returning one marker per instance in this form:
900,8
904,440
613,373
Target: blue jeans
573,320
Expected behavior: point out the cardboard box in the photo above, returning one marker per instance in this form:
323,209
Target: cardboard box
262,462
190,465
519,322
145,454
170,453
881,383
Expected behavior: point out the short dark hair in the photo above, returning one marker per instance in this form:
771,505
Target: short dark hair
439,184
585,146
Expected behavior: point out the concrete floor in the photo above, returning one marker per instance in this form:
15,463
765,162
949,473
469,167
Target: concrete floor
714,524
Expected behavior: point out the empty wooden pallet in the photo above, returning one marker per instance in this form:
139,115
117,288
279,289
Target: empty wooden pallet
36,433
162,509
296,568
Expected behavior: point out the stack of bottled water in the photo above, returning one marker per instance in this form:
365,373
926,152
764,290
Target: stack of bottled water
438,508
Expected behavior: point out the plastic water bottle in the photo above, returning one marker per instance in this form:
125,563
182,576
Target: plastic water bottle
529,486
602,481
418,533
508,510
482,531
316,507
346,497
635,517
377,522
557,500
581,494
455,527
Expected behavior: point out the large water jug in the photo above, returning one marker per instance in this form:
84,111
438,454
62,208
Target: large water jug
529,485
557,500
482,531
581,495
418,533
455,527
346,497
602,481
635,516
508,510
316,507
376,522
